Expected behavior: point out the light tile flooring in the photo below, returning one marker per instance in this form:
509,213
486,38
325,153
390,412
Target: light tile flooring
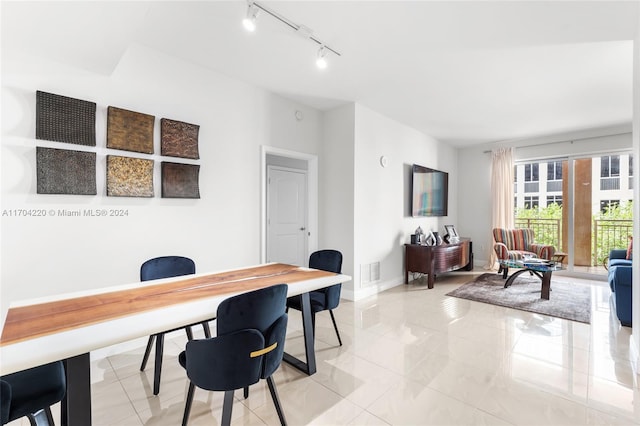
411,356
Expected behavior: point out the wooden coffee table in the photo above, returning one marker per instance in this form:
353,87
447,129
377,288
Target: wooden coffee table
539,267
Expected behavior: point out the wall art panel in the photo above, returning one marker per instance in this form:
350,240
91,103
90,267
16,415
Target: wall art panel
63,119
129,177
180,180
61,171
179,139
129,130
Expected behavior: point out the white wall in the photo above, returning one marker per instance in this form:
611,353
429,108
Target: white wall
380,195
336,186
49,255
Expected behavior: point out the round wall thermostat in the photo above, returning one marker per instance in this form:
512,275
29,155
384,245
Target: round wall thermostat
384,161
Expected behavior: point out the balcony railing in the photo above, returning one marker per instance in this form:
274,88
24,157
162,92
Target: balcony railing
607,234
610,234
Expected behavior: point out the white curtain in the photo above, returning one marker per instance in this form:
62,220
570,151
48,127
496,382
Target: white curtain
502,201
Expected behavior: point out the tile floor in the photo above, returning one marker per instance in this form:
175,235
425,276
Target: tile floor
411,356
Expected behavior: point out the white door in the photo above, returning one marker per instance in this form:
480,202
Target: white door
286,216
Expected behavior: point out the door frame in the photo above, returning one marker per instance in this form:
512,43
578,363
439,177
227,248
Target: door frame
312,196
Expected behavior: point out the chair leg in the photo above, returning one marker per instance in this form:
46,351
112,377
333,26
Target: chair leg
187,404
335,326
49,416
227,408
276,400
41,417
189,333
147,352
207,330
246,392
157,368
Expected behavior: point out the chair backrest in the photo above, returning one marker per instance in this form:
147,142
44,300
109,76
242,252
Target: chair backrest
166,267
514,239
224,363
5,401
33,390
263,310
331,261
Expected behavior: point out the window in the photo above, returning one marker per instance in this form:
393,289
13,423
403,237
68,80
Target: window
554,199
610,173
531,172
531,183
606,204
554,170
630,172
531,202
610,166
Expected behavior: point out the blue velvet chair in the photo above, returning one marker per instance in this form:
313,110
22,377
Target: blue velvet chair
251,330
620,283
157,268
32,392
325,299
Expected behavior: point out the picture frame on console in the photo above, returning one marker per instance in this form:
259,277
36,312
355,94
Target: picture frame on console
452,233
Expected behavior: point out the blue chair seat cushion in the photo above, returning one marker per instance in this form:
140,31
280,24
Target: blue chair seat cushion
616,262
316,298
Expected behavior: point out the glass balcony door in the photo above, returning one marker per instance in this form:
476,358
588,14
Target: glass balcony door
581,205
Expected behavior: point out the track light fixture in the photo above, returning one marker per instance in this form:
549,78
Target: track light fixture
321,62
249,23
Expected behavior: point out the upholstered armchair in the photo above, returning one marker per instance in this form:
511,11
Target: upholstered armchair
514,243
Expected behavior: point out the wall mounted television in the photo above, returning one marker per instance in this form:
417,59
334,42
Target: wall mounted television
429,192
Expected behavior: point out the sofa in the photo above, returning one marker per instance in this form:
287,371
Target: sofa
620,283
513,244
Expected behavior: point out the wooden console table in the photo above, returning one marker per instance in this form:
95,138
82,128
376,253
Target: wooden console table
434,260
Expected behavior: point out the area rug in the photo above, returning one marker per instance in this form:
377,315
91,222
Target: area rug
568,300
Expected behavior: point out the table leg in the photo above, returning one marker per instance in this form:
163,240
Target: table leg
546,285
514,276
307,326
76,405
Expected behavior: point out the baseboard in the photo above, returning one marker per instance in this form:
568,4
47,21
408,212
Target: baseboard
371,290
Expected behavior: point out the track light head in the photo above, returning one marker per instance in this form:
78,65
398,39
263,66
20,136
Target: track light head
321,61
249,21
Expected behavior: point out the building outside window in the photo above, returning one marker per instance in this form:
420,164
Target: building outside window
531,202
610,173
554,176
554,199
531,177
607,204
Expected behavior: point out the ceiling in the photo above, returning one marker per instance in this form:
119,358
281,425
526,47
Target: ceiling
462,72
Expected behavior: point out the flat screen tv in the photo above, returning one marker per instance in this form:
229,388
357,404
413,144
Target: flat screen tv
430,192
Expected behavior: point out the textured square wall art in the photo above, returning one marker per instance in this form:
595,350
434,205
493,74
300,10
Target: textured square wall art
180,180
129,130
63,119
61,171
179,139
129,177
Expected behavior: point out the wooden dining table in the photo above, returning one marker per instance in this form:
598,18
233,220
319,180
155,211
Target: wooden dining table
69,326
